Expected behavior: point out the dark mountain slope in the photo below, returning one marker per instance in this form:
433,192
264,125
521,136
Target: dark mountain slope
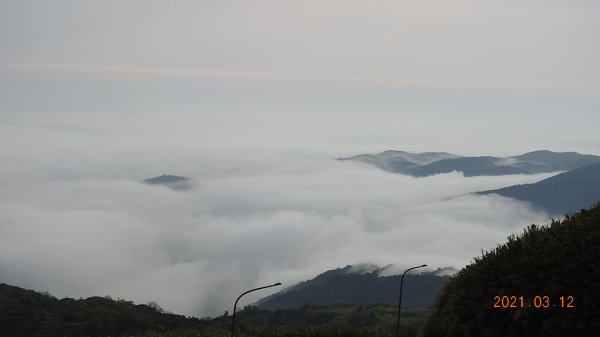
557,195
400,161
342,286
469,166
562,161
557,260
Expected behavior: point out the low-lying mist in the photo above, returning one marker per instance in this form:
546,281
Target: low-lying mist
194,251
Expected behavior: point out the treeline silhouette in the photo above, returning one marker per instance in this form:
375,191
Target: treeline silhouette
541,265
321,320
25,313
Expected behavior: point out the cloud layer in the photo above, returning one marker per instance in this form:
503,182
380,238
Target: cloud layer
193,251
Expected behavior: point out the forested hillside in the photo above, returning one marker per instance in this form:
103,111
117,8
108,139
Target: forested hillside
26,313
344,286
553,273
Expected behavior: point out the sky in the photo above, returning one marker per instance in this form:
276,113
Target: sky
253,100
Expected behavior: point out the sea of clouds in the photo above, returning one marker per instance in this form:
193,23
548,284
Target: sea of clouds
255,223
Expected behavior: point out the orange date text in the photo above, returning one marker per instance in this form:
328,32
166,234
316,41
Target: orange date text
537,302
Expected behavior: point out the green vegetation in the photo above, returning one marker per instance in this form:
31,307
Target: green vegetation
26,313
312,321
353,320
557,260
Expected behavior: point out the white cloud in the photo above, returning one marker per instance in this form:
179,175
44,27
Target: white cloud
192,251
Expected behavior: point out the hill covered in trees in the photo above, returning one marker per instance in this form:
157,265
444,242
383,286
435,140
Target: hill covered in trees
25,313
343,285
544,282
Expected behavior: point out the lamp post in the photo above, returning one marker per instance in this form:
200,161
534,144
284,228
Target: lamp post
236,302
400,300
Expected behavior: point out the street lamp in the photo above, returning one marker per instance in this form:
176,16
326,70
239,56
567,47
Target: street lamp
236,302
400,300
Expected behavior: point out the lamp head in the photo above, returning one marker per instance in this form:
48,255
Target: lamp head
277,284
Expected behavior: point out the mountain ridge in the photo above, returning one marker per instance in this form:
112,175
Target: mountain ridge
431,163
345,286
560,194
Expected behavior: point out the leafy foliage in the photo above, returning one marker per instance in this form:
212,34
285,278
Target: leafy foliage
559,259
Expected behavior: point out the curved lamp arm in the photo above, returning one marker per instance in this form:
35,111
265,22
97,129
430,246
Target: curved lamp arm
400,299
236,302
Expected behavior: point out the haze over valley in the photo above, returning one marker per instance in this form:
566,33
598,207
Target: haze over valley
286,221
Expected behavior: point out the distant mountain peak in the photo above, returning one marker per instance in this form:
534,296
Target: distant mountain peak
546,152
170,181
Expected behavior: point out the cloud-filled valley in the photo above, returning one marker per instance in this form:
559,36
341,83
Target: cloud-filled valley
191,251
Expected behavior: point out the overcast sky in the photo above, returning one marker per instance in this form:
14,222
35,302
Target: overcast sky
253,99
